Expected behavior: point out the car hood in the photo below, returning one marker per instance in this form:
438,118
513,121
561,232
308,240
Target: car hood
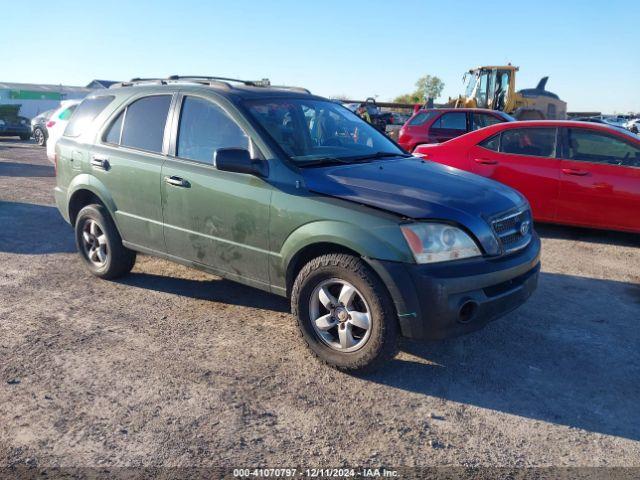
420,190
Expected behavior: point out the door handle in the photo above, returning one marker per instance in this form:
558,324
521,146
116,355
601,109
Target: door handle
485,161
176,181
574,171
100,162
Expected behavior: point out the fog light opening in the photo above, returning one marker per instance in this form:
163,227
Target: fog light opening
467,311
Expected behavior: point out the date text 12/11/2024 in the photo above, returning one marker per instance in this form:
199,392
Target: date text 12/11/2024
314,473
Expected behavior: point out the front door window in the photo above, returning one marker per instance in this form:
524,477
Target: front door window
591,146
205,128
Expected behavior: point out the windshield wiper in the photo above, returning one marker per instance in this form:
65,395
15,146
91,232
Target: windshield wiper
348,160
373,156
322,161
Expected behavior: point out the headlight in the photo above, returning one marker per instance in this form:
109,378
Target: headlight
437,242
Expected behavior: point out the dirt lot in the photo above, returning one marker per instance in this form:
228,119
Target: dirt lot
172,367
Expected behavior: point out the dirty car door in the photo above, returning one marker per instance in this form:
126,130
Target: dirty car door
211,217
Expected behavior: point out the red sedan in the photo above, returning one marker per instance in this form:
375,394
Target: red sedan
437,125
573,173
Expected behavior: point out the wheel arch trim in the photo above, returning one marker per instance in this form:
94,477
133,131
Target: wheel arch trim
85,182
342,236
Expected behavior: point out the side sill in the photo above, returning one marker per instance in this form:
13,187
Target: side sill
206,268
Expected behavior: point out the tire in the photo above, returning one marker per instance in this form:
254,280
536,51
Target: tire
38,136
100,245
333,272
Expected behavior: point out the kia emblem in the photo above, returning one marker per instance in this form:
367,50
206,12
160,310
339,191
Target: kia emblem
524,228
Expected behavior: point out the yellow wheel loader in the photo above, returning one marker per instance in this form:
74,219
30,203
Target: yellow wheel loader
495,88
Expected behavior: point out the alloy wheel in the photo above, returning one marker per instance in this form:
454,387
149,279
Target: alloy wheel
94,242
39,136
340,315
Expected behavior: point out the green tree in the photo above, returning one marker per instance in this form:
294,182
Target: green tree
426,87
408,98
429,87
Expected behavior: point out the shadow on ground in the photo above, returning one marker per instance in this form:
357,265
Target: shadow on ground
15,169
563,358
7,143
214,290
33,229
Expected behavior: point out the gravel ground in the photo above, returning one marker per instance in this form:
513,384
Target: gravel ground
173,367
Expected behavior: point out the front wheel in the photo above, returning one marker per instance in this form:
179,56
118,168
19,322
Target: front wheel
345,313
100,244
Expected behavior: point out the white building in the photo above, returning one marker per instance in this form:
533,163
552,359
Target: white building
36,98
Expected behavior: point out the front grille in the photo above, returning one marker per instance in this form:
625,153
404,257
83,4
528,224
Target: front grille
509,229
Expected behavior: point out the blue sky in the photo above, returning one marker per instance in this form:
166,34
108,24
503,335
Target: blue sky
590,50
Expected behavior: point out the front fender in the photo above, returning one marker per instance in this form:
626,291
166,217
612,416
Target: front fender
383,243
380,242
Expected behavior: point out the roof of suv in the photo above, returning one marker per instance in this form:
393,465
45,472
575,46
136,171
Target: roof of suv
239,89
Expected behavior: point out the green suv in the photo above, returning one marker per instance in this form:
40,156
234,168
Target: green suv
294,194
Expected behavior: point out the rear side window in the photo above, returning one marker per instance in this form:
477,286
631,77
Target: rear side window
144,123
421,118
537,142
204,128
452,121
67,112
86,112
481,120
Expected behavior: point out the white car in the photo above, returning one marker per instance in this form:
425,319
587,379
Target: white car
57,123
633,125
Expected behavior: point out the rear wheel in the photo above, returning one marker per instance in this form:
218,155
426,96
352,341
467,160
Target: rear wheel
344,313
100,244
38,136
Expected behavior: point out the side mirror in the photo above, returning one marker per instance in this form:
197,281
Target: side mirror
239,160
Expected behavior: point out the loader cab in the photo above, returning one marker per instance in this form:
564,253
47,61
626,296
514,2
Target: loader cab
490,87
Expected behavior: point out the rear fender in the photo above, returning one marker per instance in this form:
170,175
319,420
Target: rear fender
87,182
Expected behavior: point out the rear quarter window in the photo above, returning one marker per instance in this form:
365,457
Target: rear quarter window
115,129
491,143
85,113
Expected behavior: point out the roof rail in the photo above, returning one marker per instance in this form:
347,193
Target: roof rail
252,83
139,81
207,80
293,89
